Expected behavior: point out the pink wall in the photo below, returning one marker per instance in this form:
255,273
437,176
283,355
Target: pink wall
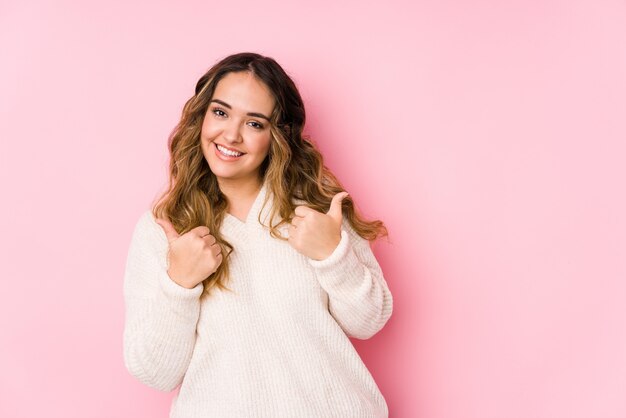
490,137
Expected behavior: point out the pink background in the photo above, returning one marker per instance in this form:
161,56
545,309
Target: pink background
489,137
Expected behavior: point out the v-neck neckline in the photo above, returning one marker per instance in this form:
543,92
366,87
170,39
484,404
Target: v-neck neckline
236,223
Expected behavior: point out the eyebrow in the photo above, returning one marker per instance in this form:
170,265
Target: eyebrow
256,114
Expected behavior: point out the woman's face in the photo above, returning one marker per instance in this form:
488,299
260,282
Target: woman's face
235,137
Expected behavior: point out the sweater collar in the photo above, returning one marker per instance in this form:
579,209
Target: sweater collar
231,224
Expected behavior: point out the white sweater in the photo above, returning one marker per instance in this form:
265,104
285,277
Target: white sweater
277,346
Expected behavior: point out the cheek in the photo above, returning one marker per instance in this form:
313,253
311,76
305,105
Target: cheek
262,143
209,132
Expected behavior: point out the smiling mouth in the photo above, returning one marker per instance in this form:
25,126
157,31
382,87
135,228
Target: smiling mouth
228,153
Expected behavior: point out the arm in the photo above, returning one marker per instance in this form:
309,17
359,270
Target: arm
161,316
359,298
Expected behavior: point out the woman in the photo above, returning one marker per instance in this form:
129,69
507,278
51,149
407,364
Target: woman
249,275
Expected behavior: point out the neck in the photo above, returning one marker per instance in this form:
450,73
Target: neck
240,191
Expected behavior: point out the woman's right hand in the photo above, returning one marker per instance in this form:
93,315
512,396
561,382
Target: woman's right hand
193,256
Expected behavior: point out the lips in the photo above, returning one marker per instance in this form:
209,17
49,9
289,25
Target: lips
229,149
225,154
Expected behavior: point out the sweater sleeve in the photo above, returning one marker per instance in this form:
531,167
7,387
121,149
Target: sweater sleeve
161,316
359,298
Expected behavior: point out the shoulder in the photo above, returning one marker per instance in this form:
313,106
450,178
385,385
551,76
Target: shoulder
146,221
347,226
146,228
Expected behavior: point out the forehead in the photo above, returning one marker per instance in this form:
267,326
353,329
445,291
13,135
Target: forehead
244,91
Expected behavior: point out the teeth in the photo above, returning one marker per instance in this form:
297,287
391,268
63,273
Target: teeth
228,152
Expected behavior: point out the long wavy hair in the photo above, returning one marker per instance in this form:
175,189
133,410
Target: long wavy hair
293,169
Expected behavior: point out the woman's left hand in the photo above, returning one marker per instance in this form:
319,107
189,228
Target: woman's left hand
315,234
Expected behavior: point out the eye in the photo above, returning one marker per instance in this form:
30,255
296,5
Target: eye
218,112
256,125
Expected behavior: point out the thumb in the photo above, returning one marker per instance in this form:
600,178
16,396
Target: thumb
167,226
335,206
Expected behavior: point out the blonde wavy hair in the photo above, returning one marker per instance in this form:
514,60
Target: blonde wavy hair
293,169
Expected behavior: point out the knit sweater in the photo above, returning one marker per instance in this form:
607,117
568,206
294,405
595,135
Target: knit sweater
277,345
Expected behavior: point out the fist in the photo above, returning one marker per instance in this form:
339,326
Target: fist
193,256
315,234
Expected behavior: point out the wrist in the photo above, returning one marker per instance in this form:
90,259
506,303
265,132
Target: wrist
179,282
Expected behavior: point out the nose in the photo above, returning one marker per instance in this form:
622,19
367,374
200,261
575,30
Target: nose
232,132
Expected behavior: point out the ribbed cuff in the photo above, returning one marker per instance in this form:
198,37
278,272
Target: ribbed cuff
180,297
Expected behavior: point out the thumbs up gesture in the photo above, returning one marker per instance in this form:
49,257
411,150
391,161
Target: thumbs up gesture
193,256
315,234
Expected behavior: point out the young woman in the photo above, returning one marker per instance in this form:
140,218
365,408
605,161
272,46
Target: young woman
247,278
